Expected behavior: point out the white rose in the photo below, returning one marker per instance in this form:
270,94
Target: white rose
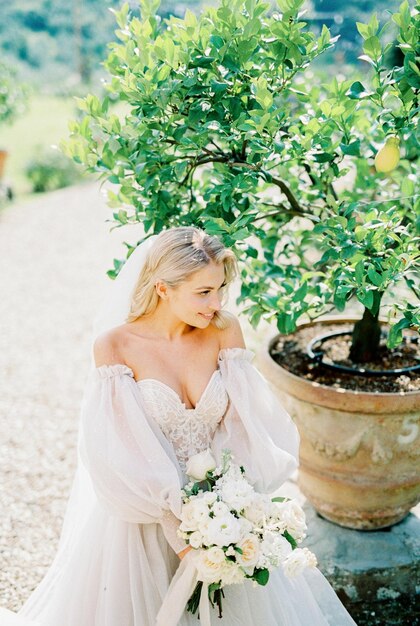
258,509
250,547
209,497
195,539
232,574
193,513
199,464
210,564
203,525
188,517
273,550
293,517
200,509
297,561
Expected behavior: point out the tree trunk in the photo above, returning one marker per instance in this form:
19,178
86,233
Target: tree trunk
366,336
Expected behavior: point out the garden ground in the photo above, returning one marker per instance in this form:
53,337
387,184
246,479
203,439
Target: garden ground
55,253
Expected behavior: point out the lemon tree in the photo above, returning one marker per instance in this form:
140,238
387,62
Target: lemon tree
224,124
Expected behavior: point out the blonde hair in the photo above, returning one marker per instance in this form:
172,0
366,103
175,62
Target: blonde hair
175,255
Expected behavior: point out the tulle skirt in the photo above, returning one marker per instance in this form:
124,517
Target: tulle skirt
118,575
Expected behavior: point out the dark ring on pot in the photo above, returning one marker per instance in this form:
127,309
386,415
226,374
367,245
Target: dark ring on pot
315,352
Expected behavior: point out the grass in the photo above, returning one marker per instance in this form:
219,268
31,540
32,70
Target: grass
44,124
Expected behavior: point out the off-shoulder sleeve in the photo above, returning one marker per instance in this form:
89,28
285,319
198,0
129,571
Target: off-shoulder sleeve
256,428
132,465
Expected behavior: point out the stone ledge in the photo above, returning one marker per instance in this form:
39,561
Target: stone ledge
375,573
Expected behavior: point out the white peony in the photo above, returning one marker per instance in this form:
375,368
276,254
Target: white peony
297,561
223,530
199,464
238,494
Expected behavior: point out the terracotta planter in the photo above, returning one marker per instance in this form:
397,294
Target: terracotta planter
3,157
359,454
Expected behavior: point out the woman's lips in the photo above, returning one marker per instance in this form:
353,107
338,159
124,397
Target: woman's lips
207,316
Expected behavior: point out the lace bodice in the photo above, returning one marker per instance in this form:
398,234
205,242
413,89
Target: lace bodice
189,430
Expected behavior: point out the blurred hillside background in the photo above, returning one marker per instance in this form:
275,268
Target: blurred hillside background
56,49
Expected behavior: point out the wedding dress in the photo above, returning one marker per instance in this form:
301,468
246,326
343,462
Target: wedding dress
117,554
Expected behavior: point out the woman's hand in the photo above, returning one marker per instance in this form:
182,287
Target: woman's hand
184,552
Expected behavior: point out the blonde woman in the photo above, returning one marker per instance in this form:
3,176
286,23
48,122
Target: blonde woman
171,378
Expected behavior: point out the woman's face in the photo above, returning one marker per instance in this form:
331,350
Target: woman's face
197,299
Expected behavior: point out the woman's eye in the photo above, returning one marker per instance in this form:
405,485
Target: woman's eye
204,293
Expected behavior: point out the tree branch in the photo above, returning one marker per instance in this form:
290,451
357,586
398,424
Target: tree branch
309,216
271,179
223,158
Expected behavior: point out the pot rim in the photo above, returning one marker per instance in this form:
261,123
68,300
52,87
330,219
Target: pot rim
408,400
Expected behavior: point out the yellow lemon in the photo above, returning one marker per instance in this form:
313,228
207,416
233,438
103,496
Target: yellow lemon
388,156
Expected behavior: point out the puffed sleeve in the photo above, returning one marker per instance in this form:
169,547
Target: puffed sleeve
133,467
256,428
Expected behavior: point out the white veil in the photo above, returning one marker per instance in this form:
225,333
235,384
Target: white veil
116,304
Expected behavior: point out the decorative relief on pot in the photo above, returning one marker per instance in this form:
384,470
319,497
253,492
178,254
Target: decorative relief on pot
409,432
339,452
333,434
379,453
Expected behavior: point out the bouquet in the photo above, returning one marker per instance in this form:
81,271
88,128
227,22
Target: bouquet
237,533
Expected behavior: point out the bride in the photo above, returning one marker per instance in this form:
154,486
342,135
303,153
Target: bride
171,377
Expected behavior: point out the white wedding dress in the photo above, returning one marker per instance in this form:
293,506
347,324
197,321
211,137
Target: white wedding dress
117,552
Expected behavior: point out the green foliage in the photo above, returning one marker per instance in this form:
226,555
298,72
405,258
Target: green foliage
261,576
50,169
13,95
228,129
52,41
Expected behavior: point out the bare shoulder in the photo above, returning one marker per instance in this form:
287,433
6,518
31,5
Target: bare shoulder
107,347
232,336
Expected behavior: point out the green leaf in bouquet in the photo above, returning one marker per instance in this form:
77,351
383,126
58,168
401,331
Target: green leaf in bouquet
279,499
261,576
216,591
195,489
213,587
290,539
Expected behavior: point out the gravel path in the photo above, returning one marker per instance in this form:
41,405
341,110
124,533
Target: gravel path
54,255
